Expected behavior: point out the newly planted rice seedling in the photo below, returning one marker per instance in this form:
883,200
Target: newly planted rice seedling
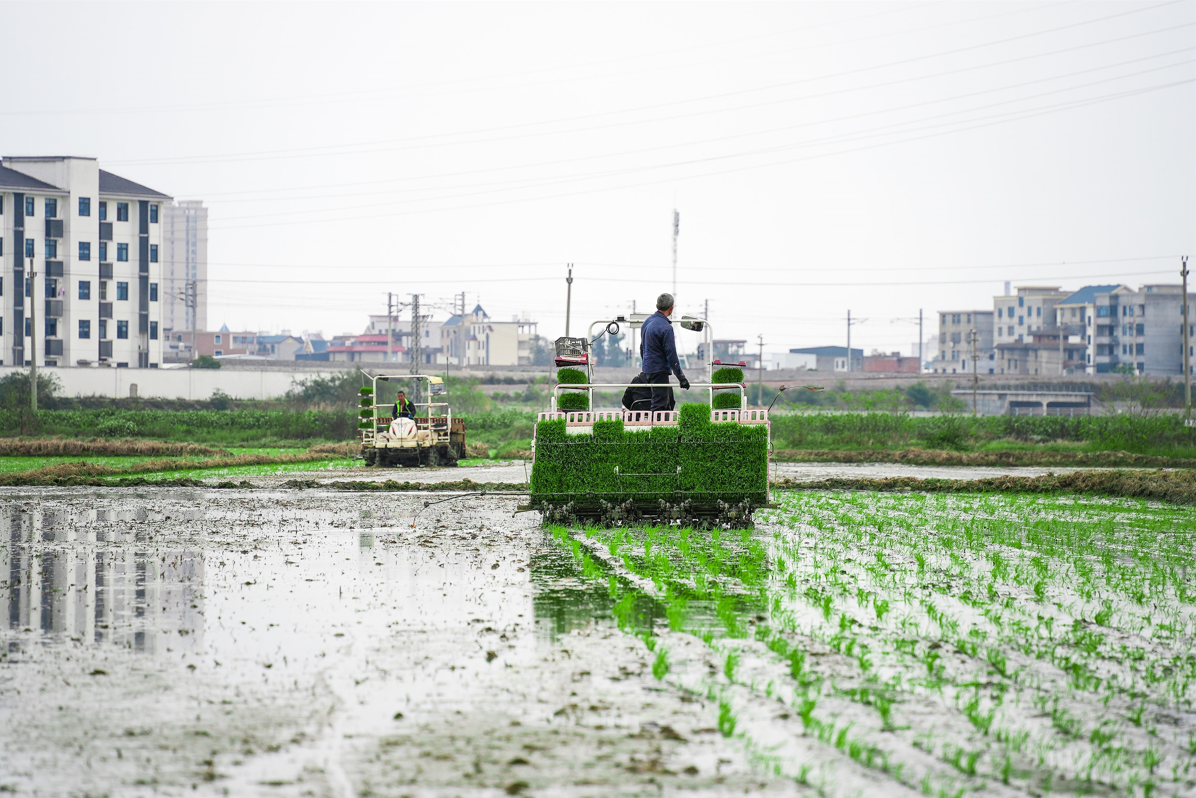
947,642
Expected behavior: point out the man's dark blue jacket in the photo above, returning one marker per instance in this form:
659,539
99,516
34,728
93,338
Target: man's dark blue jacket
658,349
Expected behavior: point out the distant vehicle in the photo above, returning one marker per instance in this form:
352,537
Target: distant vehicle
428,439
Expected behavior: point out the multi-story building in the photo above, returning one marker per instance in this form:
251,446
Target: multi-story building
833,358
475,339
955,347
185,268
1113,327
93,239
1031,310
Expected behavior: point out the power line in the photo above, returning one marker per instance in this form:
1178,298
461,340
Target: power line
723,283
311,151
551,181
1012,116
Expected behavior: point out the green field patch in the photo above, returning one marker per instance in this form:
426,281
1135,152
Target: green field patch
944,642
332,464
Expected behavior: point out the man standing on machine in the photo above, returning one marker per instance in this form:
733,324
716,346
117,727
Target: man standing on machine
658,350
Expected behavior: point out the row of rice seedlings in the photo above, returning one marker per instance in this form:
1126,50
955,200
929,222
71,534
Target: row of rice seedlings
746,556
826,565
923,551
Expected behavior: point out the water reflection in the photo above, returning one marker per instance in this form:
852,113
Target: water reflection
93,577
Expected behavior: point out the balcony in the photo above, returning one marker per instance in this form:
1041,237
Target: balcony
105,310
105,271
105,231
53,347
54,268
53,228
105,349
54,308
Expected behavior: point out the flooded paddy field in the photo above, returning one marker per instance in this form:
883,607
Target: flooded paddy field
305,642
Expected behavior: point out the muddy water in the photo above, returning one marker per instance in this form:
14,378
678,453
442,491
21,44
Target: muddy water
302,643
517,471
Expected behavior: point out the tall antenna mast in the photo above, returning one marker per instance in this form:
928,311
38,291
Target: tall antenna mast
676,232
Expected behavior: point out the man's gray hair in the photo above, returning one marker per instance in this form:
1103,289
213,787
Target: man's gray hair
664,302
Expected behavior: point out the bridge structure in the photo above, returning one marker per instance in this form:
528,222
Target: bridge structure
1060,399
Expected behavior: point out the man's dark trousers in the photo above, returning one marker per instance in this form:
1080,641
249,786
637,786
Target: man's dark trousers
660,396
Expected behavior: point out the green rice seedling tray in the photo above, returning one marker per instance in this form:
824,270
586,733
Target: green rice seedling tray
684,469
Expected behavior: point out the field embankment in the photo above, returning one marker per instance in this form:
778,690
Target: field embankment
84,473
1174,487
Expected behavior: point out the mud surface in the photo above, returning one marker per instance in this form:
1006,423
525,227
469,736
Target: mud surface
518,470
309,643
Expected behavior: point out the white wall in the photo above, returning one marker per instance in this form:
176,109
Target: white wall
174,383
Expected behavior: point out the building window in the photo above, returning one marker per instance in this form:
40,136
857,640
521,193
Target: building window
122,253
28,247
153,292
122,329
1038,311
104,251
1021,320
1021,301
28,328
28,286
153,214
1139,349
85,206
153,253
29,206
1,247
103,211
217,340
122,291
84,328
84,250
51,327
104,329
153,330
51,248
219,352
103,290
122,211
85,289
51,208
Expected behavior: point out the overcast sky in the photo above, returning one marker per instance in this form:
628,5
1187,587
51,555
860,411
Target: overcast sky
874,157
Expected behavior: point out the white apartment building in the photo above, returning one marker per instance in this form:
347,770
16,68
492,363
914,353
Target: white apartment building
954,348
430,337
475,339
1031,310
185,268
1112,326
93,241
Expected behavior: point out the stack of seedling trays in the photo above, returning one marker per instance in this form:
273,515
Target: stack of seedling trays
694,473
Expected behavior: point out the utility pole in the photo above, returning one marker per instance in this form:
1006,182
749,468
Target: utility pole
32,334
416,344
676,232
191,300
920,361
390,315
568,298
849,340
760,372
1183,272
973,338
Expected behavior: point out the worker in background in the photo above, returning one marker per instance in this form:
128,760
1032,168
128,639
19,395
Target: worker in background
403,408
658,351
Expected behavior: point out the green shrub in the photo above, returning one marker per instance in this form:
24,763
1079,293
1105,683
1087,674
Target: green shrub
728,374
727,401
366,401
205,362
573,400
571,377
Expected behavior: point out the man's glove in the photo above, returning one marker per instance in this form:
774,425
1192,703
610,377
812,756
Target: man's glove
684,383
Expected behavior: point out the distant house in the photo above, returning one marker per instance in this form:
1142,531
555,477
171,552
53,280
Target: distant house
315,348
894,363
279,347
833,358
475,339
362,349
224,342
